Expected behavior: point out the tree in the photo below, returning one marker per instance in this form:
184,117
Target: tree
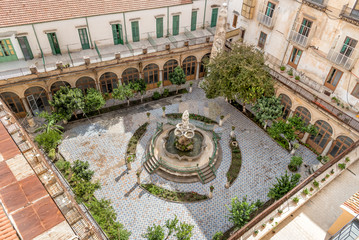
268,108
50,122
66,101
218,235
295,162
240,211
82,169
284,184
184,231
240,73
49,140
123,92
177,77
139,86
155,232
93,100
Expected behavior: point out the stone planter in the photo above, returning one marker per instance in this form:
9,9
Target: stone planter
164,114
234,143
227,185
190,89
231,134
128,165
138,180
220,122
210,195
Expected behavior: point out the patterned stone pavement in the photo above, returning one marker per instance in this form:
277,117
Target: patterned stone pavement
100,143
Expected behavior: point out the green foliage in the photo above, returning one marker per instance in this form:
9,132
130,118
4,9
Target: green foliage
50,122
217,236
166,92
49,140
341,166
290,72
305,191
173,195
81,169
93,100
284,184
138,86
156,95
240,73
184,231
268,108
295,199
295,163
122,92
236,164
132,145
84,190
315,183
347,159
282,68
52,154
155,232
177,77
191,116
63,165
240,211
66,100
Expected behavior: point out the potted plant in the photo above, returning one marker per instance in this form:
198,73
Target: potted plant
130,158
211,188
163,111
282,69
290,73
305,192
190,86
295,147
332,171
295,200
255,232
347,159
221,120
148,115
264,225
297,78
280,211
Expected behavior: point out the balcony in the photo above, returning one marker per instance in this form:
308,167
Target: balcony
342,58
266,20
320,5
350,15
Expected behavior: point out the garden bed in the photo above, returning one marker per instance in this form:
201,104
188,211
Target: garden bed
236,163
192,116
132,144
173,196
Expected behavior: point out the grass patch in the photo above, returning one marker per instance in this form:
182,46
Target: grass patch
236,163
132,145
173,195
192,116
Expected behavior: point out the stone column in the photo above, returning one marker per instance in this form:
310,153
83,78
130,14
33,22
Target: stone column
326,149
26,106
161,77
49,94
291,114
197,70
220,36
305,138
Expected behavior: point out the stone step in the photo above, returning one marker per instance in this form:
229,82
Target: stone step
177,178
209,179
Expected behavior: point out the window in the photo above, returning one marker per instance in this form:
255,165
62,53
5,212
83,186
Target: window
270,9
150,75
54,44
14,103
189,67
84,38
108,82
355,11
85,83
175,25
159,27
235,20
57,85
214,17
117,33
333,78
135,31
193,20
130,75
37,99
168,68
262,40
340,145
295,57
305,27
287,105
319,141
348,46
355,92
248,8
303,113
7,52
25,47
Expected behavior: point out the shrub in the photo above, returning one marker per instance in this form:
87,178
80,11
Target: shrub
341,166
315,183
327,176
295,163
283,185
81,169
290,72
166,92
156,95
295,199
311,189
217,236
49,140
297,78
240,211
305,191
63,165
52,154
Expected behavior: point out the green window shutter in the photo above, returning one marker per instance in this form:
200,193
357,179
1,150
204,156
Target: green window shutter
175,27
84,38
25,48
54,43
7,51
214,17
120,35
159,27
193,20
114,33
135,31
51,43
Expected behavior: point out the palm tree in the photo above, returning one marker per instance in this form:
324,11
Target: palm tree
50,124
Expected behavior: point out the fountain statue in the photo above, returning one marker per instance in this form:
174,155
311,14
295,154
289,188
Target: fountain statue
184,133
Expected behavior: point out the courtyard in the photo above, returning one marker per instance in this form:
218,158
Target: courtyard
100,141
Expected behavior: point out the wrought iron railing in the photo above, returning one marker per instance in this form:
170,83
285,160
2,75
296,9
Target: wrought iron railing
349,231
300,34
266,20
350,15
317,4
344,56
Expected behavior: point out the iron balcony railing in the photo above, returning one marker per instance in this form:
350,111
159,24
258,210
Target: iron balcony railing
321,5
300,34
267,17
349,231
344,56
350,15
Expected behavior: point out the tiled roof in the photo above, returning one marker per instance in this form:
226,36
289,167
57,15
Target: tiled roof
353,203
21,12
6,229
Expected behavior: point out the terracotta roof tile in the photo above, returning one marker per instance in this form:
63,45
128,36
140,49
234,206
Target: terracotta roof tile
7,231
21,12
353,203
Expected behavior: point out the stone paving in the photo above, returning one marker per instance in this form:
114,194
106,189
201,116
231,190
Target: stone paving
100,143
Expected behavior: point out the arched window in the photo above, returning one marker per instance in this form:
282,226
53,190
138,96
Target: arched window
37,99
130,75
14,103
56,86
168,68
189,67
150,73
202,69
319,141
303,113
287,105
85,83
108,82
340,145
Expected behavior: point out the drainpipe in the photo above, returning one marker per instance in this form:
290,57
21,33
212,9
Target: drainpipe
88,28
38,43
168,21
124,24
204,14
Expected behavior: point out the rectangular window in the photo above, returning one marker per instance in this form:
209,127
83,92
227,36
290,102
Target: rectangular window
7,52
333,78
305,27
262,40
355,92
135,31
25,47
84,38
117,34
295,57
193,20
348,46
235,19
270,9
175,25
214,17
159,27
55,47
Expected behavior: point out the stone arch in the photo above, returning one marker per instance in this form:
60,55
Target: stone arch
130,75
13,101
168,68
303,113
340,145
108,81
151,75
189,66
323,137
287,104
37,99
202,70
85,83
57,85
